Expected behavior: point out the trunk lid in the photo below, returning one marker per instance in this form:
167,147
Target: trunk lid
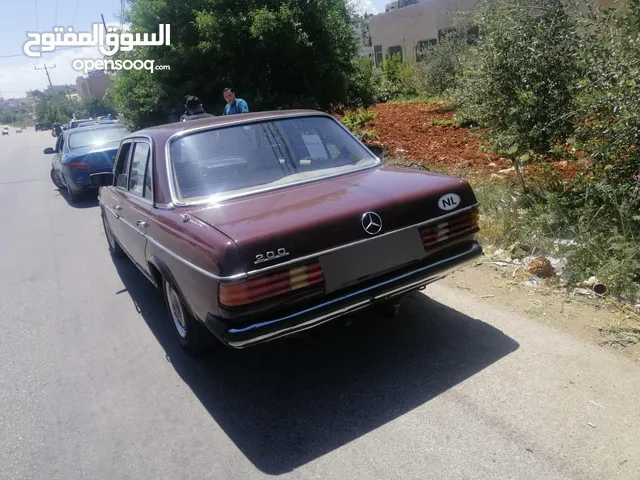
308,219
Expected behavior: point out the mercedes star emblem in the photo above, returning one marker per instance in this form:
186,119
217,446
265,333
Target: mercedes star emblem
372,223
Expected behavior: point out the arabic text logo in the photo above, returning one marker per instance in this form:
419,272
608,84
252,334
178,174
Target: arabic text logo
108,43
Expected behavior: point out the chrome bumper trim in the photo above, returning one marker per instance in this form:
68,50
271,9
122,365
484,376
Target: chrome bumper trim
473,252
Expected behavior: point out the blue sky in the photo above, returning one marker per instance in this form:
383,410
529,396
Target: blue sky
17,17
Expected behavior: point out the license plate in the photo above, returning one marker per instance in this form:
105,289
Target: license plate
350,264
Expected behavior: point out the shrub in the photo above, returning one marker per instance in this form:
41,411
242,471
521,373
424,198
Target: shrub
519,80
393,80
439,72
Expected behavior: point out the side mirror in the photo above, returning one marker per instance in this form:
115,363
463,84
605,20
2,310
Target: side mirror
49,151
104,179
378,151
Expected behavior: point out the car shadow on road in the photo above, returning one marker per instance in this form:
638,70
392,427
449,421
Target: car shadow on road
87,200
285,404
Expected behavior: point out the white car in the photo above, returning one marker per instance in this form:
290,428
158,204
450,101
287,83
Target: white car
19,130
5,131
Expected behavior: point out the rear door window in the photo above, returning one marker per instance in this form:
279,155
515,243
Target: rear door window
121,169
138,168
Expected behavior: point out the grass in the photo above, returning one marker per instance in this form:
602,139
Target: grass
417,99
444,122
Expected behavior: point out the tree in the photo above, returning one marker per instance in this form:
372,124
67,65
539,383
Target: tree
520,79
274,53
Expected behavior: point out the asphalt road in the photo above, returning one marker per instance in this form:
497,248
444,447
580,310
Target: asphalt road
93,384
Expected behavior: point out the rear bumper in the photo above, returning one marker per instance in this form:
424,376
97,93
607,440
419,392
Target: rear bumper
80,182
329,309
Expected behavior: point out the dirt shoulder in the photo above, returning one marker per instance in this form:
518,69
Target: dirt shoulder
612,326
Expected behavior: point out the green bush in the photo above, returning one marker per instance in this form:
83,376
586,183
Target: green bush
393,80
439,72
519,80
356,119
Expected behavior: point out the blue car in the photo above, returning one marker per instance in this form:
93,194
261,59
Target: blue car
81,152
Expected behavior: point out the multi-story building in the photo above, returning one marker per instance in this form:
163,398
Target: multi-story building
94,85
406,30
407,26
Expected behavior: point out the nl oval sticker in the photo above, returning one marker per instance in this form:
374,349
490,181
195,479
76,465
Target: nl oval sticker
449,201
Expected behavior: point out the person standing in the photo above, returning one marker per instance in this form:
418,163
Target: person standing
234,105
194,107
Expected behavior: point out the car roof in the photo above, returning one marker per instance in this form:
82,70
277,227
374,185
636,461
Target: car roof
97,126
175,127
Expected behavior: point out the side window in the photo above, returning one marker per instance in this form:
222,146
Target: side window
121,166
138,166
148,180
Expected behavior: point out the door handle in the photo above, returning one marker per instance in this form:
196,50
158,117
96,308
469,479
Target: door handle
117,207
141,223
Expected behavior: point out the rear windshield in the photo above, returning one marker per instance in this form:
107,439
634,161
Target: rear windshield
96,136
270,153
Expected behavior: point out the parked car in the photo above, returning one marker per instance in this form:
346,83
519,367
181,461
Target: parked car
262,225
19,130
81,152
5,131
86,124
76,122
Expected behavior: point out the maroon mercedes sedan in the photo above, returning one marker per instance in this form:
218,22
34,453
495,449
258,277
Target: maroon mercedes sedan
258,226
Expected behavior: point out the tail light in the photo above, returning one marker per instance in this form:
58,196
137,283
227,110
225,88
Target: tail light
270,285
456,227
80,166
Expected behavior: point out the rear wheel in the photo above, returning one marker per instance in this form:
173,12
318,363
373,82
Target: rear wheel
192,335
114,247
54,178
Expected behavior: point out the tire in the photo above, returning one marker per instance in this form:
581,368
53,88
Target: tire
192,335
54,178
114,247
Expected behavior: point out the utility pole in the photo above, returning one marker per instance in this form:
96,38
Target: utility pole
68,93
48,76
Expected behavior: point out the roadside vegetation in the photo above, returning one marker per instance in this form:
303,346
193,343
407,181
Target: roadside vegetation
49,109
556,95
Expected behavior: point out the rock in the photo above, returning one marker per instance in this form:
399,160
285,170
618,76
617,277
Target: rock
492,164
589,282
507,170
583,291
541,267
495,175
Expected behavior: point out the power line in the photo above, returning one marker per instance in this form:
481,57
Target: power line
59,48
75,13
10,56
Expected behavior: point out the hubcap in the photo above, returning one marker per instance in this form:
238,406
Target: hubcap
177,312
